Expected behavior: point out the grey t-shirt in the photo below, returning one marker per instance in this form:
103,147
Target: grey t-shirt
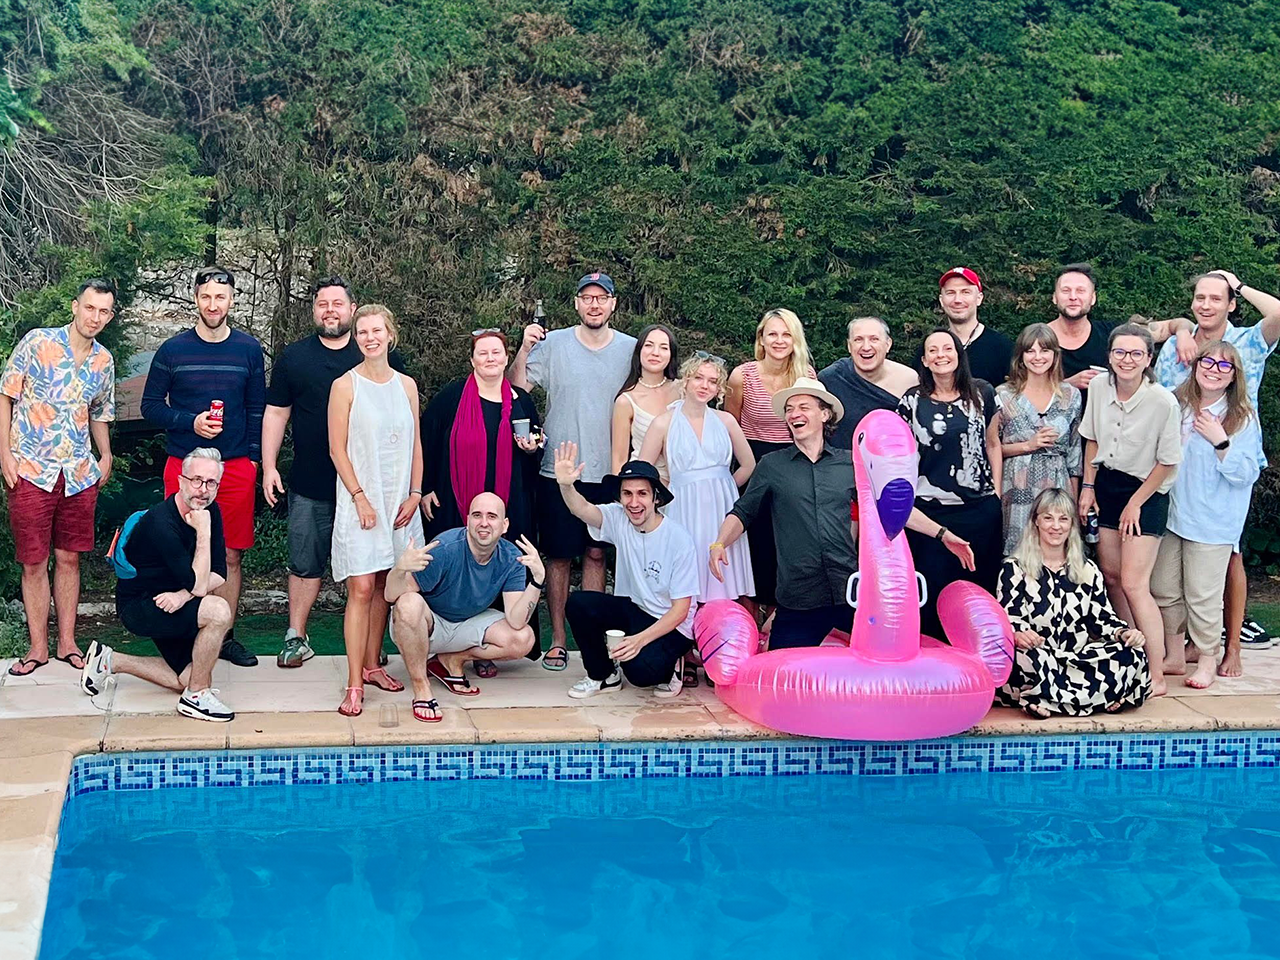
581,385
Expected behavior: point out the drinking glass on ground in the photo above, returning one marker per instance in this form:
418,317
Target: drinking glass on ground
388,716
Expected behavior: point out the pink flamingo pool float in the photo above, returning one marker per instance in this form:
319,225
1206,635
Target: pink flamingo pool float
890,682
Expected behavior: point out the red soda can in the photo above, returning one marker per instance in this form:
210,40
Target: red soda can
215,410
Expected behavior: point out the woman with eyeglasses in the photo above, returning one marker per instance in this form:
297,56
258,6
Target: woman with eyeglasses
1037,416
1133,445
781,358
374,443
479,435
1208,505
652,385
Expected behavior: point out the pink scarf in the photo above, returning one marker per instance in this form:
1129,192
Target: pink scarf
468,448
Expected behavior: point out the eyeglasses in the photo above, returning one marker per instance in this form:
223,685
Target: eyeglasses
704,355
1134,355
1224,366
201,484
594,298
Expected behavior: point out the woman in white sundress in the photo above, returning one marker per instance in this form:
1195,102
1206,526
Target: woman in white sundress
700,443
651,386
377,450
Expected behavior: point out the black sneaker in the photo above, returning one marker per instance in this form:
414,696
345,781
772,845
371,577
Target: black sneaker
1253,636
383,659
233,651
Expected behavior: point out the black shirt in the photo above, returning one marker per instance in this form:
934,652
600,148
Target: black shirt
1091,353
810,503
858,395
990,353
161,548
301,378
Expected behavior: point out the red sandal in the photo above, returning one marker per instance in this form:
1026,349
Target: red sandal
422,706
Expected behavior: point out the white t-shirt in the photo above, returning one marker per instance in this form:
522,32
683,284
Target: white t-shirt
581,384
655,568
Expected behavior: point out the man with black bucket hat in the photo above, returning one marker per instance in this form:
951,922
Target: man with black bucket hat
649,617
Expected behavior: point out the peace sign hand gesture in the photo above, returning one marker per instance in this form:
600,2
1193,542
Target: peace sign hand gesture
532,562
415,558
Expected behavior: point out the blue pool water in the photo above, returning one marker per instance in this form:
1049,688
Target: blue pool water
1169,864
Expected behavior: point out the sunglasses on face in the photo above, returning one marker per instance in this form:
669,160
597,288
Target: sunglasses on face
1223,366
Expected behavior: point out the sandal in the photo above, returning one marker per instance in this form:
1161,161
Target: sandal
458,685
690,674
420,707
381,679
71,658
36,665
353,705
485,669
556,661
1036,711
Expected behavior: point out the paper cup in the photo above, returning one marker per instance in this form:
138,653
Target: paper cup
612,638
521,428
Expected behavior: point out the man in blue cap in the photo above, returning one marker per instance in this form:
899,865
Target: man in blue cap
581,368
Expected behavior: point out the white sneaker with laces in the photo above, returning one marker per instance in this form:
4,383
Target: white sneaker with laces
672,688
586,687
97,668
204,705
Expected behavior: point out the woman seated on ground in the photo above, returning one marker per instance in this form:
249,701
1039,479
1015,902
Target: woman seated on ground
1073,655
652,385
1208,505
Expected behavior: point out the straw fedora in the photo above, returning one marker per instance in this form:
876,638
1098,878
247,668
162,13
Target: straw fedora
807,386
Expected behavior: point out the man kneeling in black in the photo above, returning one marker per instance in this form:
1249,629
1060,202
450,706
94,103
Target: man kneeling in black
180,558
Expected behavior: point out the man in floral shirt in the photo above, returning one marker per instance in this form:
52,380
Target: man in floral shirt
57,390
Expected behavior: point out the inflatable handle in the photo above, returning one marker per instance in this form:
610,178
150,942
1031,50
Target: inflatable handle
850,594
924,588
975,622
726,635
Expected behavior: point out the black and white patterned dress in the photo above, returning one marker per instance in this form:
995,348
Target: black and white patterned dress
1083,666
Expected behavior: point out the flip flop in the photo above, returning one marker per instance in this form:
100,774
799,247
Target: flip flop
556,661
422,706
458,685
68,660
379,678
690,674
485,669
15,672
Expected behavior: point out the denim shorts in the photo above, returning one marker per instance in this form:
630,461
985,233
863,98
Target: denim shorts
310,535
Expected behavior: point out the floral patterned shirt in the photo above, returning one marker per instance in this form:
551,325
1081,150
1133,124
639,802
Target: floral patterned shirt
54,400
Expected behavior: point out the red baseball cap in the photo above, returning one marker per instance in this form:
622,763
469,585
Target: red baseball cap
964,272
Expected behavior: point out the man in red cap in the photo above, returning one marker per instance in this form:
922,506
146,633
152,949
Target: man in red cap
989,351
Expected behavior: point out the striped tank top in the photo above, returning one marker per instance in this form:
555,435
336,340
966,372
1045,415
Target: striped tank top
757,418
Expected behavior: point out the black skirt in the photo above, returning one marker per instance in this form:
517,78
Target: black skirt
979,522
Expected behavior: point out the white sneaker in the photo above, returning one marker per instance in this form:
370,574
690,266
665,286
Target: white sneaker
672,688
97,668
586,687
204,705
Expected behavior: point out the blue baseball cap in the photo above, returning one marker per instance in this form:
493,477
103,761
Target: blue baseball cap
596,279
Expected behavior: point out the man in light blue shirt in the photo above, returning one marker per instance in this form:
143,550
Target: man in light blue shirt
1214,304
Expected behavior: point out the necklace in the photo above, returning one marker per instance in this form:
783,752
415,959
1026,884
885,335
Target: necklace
977,328
653,386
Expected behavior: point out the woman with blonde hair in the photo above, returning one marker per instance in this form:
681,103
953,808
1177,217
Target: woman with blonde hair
1208,505
1073,654
1037,418
377,450
781,358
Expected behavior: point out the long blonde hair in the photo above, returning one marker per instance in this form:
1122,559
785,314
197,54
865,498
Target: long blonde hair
1239,409
801,362
1028,552
1036,334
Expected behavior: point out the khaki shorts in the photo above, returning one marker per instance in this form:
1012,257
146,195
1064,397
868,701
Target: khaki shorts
449,637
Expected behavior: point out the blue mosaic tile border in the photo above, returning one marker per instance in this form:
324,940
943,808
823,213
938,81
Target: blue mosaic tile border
614,761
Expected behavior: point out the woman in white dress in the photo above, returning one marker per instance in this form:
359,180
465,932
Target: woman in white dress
650,387
699,443
377,450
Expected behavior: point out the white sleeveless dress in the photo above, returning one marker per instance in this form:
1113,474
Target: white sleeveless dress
641,421
380,436
704,493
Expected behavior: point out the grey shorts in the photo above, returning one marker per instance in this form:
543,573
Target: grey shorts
310,535
449,637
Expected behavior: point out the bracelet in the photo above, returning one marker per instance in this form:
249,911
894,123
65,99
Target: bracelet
1086,486
536,585
714,545
942,532
415,490
356,492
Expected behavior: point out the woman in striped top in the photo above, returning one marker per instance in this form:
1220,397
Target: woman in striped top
781,358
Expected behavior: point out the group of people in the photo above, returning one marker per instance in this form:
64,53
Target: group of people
708,482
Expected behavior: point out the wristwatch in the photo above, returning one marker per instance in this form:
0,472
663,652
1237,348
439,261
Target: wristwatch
1223,445
942,532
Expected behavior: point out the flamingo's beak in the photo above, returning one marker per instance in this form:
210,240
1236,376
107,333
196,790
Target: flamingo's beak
893,483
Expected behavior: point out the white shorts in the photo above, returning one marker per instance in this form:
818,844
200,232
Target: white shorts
449,637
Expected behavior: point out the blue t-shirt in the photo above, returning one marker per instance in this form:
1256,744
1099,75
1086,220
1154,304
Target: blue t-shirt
456,587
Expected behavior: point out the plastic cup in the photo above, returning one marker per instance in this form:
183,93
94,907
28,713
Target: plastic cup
521,428
388,716
612,638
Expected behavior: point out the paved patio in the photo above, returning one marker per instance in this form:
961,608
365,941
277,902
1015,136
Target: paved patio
45,722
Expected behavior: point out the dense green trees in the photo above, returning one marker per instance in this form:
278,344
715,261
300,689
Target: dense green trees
459,159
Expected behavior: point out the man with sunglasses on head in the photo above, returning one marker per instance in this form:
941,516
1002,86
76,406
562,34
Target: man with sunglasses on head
581,369
299,394
1215,302
207,388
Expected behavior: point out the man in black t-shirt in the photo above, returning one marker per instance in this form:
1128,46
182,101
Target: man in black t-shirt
179,558
989,351
300,382
1082,339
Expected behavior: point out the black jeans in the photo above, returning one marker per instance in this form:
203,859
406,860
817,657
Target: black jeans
808,628
591,613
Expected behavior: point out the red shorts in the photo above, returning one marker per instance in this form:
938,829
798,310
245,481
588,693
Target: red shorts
236,496
38,518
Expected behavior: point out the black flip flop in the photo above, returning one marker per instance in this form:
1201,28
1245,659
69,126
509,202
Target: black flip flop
13,672
67,660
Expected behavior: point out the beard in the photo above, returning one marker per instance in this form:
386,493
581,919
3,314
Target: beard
214,324
1078,313
333,333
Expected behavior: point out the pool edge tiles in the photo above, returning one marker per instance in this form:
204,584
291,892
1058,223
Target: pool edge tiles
614,761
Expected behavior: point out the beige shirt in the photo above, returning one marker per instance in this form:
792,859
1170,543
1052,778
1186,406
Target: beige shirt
1136,434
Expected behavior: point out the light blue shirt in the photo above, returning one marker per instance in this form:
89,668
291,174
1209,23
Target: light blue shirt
1209,501
1249,343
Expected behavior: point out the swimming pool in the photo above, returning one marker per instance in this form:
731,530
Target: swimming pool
1062,847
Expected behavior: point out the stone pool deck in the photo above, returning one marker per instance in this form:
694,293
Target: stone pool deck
45,722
